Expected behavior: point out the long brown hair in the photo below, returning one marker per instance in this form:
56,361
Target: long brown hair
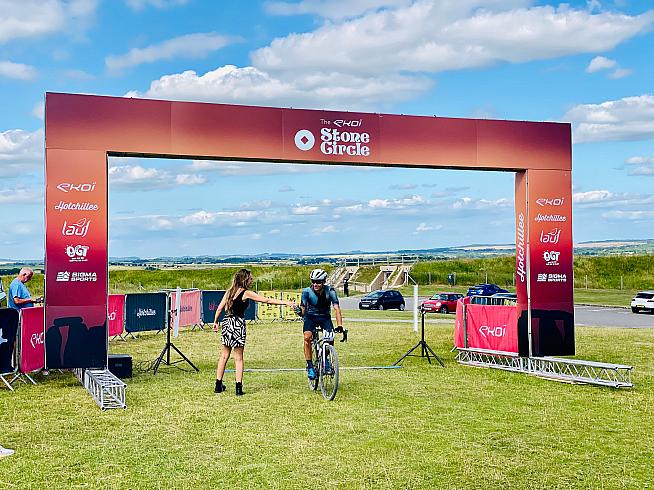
242,280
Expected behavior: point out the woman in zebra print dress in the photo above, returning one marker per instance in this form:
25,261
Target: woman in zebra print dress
233,330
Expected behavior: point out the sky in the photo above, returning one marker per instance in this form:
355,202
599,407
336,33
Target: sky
584,62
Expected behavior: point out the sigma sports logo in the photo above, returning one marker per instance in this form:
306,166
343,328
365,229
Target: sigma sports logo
496,332
65,276
551,237
550,217
77,253
80,229
546,201
551,257
339,140
520,248
75,206
68,187
145,312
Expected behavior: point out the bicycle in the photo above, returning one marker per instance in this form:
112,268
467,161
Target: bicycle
325,362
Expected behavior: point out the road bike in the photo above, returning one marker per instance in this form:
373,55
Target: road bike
325,363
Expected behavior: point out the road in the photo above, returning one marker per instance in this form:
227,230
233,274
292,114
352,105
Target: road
595,316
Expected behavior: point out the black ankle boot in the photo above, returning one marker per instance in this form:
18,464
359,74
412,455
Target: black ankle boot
239,389
220,387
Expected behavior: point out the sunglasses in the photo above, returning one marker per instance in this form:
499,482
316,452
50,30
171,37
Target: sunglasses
317,282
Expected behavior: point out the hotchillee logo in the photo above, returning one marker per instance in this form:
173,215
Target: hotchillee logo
487,331
69,187
520,248
546,201
75,206
185,308
336,141
80,229
145,312
551,237
550,217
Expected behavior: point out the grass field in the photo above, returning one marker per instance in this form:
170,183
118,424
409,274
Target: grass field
416,427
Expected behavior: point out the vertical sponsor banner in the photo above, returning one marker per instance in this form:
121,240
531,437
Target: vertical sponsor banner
459,340
116,314
287,311
32,339
266,311
551,262
190,307
522,261
210,301
492,327
76,258
8,331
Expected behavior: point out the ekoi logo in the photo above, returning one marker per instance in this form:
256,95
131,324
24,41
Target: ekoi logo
70,187
304,140
497,331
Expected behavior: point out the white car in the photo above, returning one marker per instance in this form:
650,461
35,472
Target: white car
643,301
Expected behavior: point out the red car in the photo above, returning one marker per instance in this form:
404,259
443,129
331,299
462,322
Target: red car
441,302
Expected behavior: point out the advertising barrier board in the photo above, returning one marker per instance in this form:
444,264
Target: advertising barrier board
116,314
8,331
269,312
32,337
146,311
190,306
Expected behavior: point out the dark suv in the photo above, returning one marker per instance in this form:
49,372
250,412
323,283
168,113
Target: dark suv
382,300
485,290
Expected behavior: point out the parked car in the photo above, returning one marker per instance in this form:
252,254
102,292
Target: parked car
643,301
485,290
382,300
441,302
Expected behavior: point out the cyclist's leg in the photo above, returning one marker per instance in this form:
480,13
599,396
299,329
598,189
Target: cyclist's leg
309,329
327,325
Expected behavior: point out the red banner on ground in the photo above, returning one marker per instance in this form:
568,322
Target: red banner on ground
190,309
492,327
116,314
32,349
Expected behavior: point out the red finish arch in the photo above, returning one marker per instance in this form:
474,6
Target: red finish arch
82,130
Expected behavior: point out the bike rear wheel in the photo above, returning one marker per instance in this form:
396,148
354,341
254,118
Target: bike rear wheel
329,373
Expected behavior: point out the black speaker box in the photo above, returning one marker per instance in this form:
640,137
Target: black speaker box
120,365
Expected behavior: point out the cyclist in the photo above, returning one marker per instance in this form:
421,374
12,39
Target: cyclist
315,306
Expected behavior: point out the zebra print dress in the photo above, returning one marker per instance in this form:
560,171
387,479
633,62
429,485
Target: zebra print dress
233,329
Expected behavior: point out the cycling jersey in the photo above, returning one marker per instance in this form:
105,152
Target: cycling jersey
318,304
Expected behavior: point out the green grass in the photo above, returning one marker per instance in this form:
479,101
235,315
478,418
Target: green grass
416,427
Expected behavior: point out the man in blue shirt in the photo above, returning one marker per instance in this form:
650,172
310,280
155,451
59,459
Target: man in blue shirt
316,304
18,296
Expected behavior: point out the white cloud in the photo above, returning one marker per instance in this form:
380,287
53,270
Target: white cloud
249,85
643,165
208,218
324,229
33,18
141,4
331,9
18,71
620,73
197,45
629,215
138,177
285,188
39,110
302,210
21,195
431,36
254,168
424,227
605,198
600,63
592,196
406,187
626,119
470,203
21,152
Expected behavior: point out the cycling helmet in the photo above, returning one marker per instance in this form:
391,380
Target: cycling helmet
318,275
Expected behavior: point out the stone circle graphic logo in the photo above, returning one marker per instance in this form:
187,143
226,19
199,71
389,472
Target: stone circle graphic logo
304,140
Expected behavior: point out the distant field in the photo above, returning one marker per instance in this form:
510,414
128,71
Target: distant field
417,427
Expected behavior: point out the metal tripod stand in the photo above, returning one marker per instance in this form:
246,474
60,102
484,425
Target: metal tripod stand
425,350
166,352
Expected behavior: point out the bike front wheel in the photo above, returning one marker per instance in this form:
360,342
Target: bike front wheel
329,373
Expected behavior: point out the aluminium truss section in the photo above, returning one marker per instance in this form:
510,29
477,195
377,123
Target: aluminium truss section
107,390
574,370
